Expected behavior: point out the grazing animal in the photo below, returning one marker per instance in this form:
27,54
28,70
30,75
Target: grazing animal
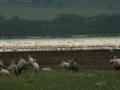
35,66
46,69
2,65
4,71
116,63
14,68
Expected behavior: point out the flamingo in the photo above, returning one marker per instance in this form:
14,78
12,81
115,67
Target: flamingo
116,63
46,69
14,68
2,65
35,66
4,71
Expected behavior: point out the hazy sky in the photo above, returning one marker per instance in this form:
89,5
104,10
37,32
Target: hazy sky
86,9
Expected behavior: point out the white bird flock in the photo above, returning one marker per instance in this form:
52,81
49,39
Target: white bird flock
70,65
18,68
22,64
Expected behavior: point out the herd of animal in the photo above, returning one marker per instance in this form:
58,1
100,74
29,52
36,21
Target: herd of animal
22,64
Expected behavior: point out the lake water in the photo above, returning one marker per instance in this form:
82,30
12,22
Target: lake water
82,42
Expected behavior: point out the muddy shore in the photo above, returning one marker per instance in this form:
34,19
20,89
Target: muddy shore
87,59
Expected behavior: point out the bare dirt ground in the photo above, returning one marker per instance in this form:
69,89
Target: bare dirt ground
87,59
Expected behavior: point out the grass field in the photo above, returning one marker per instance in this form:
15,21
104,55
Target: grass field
95,71
62,80
25,11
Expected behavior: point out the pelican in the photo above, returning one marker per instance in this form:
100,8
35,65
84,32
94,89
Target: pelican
14,68
116,63
35,66
2,65
46,69
4,71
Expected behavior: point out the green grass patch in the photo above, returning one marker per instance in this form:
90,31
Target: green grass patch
62,80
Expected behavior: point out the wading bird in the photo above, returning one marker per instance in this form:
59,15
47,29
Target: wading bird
65,65
30,59
21,65
46,69
35,66
116,63
2,65
14,68
71,65
4,71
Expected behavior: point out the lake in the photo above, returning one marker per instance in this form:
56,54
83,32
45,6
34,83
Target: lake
42,44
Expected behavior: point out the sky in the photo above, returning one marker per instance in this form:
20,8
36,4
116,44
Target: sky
49,12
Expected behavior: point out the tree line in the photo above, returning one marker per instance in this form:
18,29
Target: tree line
63,25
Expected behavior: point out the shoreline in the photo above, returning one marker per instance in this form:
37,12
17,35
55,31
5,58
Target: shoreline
59,44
